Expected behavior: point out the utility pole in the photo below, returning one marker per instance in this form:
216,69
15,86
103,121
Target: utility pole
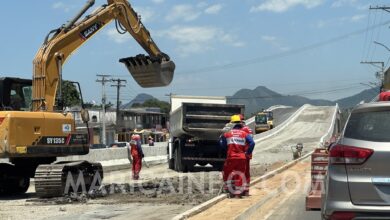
385,8
118,86
103,80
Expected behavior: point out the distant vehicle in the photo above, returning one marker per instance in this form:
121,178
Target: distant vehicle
120,144
264,121
357,184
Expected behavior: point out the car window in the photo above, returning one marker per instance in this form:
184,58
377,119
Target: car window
369,126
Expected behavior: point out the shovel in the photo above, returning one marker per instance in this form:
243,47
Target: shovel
150,72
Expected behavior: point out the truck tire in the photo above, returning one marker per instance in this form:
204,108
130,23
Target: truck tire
171,164
179,166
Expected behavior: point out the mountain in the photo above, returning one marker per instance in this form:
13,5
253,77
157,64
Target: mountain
140,99
366,96
262,98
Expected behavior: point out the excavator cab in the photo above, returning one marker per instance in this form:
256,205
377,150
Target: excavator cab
15,94
148,72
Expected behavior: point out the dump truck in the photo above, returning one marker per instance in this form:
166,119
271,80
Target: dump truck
196,124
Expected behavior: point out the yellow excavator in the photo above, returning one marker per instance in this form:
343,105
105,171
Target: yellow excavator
35,132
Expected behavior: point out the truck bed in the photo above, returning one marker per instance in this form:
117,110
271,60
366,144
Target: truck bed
202,121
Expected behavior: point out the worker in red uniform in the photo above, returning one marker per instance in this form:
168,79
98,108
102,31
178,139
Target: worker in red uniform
136,154
384,96
235,141
249,131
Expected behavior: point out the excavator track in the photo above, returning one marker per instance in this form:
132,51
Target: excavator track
59,179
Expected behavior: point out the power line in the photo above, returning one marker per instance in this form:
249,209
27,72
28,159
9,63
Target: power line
283,54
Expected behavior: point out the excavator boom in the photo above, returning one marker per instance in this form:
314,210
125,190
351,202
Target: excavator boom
153,70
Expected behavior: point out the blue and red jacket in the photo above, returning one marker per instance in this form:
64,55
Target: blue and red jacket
235,141
135,144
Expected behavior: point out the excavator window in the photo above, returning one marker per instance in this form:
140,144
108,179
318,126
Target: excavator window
20,97
15,94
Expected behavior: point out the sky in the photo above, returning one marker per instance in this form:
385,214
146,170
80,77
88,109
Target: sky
312,48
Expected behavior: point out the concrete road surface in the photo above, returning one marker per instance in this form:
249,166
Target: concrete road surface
308,127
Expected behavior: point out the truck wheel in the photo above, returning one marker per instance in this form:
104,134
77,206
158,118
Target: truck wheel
171,164
178,161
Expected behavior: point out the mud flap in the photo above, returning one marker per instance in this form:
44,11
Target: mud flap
149,72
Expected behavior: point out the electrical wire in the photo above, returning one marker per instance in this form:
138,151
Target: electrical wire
282,54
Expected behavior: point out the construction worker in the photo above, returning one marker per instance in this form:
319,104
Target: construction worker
235,141
249,131
137,155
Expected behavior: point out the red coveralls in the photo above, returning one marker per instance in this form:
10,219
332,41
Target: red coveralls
248,159
384,96
136,154
235,164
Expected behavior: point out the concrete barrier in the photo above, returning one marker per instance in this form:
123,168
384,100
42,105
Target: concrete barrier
106,154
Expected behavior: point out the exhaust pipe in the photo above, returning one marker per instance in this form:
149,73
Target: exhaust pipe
149,72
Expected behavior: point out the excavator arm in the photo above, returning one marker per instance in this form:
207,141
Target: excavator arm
148,71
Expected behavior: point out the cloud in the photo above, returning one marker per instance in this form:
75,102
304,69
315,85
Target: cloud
356,18
341,3
61,6
198,39
350,3
183,12
214,9
202,4
268,38
116,37
340,21
284,5
158,1
146,13
272,40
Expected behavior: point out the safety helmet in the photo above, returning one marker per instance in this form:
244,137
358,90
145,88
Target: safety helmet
235,119
241,117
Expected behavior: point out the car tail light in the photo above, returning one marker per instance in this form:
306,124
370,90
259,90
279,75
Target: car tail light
342,216
343,154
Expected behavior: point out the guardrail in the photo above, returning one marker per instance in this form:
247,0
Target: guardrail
330,132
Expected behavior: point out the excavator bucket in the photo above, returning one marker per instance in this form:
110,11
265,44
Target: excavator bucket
148,72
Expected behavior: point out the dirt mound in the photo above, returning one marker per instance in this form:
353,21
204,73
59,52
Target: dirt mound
176,190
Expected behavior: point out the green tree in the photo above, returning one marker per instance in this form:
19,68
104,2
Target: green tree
70,94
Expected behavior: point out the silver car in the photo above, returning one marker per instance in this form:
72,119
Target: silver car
357,185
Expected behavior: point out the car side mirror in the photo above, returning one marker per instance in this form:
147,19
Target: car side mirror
84,115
